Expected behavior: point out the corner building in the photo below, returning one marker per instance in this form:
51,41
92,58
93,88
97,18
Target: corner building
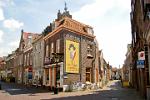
75,46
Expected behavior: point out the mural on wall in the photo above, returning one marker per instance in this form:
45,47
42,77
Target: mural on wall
72,57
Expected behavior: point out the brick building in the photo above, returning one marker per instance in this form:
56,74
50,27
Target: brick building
74,44
140,25
23,58
28,57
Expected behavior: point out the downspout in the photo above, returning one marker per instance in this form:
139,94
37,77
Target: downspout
80,59
93,61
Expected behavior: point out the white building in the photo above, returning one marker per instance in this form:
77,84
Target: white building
38,59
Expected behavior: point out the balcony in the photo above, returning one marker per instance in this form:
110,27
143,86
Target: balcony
51,60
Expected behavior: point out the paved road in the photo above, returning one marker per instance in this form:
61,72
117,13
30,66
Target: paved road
113,91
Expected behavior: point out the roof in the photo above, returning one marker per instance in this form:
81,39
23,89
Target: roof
71,25
26,35
37,38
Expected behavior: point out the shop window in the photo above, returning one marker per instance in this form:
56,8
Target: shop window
58,73
88,74
47,75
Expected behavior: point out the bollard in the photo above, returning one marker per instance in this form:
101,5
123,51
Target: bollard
0,87
55,90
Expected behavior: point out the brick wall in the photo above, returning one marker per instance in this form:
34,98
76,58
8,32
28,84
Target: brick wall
83,60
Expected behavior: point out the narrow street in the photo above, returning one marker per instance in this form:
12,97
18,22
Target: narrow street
113,91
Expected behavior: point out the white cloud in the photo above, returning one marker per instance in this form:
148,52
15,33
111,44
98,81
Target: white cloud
12,24
111,22
14,44
1,34
5,51
1,14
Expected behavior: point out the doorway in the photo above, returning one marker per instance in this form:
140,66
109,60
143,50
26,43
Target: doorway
88,74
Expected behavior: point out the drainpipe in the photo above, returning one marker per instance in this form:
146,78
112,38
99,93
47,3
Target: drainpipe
80,61
93,61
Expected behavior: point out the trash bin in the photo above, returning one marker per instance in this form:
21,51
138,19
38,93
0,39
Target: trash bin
55,90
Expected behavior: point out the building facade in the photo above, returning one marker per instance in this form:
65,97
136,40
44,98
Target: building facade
2,68
38,55
28,57
140,30
9,65
74,45
127,72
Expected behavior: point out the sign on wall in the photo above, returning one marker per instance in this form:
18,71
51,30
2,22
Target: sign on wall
141,55
140,64
72,57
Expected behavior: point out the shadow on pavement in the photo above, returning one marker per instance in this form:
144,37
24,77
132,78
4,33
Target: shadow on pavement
16,89
102,95
114,92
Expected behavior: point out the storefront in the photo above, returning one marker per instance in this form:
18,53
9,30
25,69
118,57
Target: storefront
28,75
50,72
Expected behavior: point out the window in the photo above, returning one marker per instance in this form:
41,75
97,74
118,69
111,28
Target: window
89,50
89,30
88,74
135,37
47,50
30,58
47,76
25,58
40,45
58,46
52,47
30,40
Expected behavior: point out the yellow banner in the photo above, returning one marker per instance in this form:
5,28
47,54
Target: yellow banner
72,57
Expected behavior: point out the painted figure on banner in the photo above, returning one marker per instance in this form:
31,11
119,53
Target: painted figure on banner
72,50
72,56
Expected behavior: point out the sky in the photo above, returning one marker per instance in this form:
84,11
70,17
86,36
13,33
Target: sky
110,20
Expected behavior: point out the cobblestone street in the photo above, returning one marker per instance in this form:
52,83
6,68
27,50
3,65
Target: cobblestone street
112,91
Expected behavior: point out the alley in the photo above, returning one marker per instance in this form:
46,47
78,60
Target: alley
113,91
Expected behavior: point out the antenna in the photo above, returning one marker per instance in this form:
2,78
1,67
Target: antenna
65,7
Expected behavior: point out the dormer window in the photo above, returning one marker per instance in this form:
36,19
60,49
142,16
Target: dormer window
89,30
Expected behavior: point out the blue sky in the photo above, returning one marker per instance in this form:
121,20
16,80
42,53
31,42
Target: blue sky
109,18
